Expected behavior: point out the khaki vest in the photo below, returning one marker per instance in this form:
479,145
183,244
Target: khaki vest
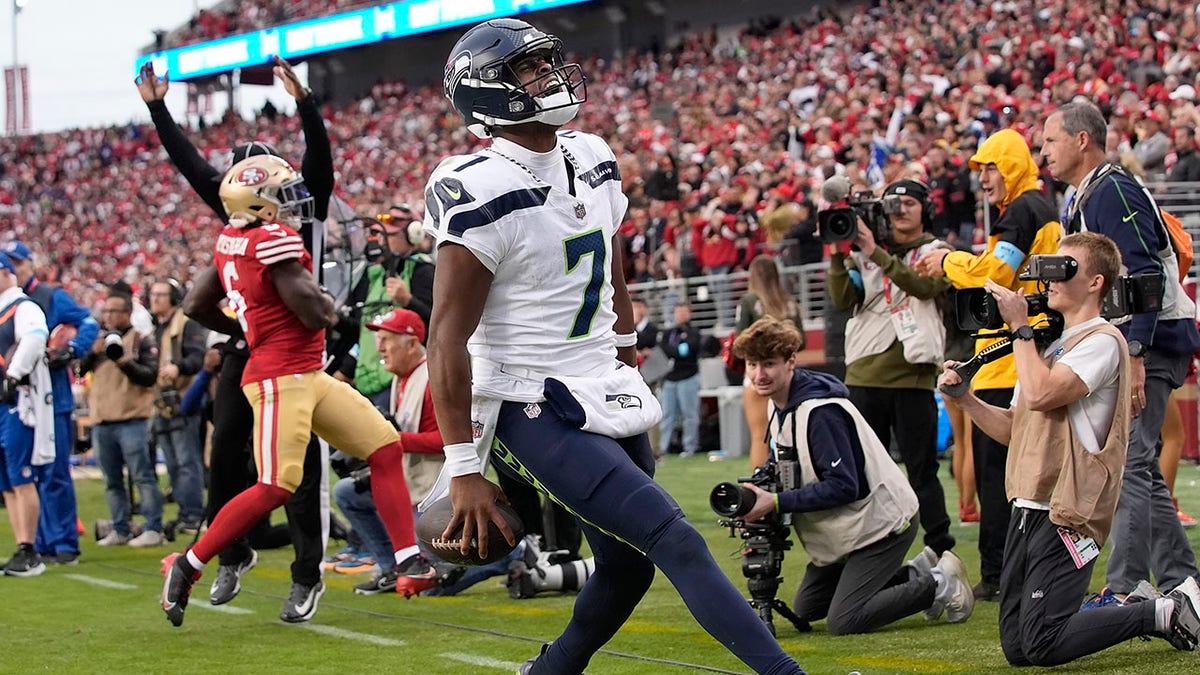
875,325
421,470
113,397
170,348
1046,463
831,535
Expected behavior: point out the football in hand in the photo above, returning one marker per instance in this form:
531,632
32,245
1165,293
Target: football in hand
432,523
61,336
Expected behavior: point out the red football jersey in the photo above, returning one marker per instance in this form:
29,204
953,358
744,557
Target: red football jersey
279,343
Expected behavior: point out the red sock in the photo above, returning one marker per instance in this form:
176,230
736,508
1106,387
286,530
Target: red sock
236,518
390,492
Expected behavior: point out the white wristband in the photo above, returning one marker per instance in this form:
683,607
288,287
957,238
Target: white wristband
626,339
461,459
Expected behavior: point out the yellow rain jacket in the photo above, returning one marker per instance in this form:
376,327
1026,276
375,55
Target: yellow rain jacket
1028,225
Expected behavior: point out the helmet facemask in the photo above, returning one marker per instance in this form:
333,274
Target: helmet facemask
497,97
265,189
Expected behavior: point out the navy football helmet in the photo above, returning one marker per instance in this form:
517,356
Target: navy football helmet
482,82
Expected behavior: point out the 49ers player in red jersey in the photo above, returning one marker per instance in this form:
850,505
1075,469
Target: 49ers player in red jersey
266,274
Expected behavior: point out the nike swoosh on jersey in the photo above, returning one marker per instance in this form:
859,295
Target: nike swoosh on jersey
453,193
834,465
1129,218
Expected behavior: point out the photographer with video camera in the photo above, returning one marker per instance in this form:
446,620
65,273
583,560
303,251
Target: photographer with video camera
895,339
1066,429
1147,535
1027,225
852,508
400,277
124,364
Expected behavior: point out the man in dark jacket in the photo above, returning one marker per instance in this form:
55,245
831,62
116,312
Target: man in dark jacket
852,508
680,393
1187,162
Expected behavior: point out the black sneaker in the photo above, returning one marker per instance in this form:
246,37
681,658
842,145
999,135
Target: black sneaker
448,574
520,582
24,563
527,667
63,559
415,575
228,583
383,583
986,591
178,577
188,527
1184,632
301,603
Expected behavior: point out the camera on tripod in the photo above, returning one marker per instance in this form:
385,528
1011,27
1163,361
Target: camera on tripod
840,223
767,538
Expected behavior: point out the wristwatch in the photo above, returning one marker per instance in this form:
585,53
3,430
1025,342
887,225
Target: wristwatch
1137,349
1022,333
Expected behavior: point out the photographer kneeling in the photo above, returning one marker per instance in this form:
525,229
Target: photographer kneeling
853,509
1066,430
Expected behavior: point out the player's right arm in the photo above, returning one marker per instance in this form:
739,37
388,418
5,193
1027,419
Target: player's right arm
460,290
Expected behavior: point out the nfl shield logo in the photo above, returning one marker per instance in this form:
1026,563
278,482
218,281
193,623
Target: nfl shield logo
533,411
580,211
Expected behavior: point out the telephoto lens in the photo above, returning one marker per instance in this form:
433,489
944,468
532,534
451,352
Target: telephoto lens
731,500
114,349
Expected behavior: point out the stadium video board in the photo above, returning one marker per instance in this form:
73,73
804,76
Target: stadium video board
350,29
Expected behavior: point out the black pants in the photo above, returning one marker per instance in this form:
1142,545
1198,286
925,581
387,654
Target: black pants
991,459
1040,592
230,473
910,415
871,589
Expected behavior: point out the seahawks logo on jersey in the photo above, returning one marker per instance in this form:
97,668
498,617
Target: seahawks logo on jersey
623,400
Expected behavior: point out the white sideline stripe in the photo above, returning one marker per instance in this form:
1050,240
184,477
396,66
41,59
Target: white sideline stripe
224,609
477,660
331,631
104,583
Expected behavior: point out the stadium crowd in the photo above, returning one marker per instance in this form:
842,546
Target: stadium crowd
723,141
237,16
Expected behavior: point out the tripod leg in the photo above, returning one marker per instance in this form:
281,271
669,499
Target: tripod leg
800,624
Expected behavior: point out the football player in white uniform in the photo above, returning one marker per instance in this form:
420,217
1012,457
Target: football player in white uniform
530,304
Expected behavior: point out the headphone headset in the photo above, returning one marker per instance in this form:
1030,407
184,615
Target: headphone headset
414,232
173,288
927,206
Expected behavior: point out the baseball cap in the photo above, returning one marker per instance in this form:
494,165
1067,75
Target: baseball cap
18,251
908,187
400,322
6,263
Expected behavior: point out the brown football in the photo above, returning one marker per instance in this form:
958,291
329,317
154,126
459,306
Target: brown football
434,520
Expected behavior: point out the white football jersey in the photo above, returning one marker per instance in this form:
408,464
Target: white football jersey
550,308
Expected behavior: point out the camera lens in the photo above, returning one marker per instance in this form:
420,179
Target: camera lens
731,500
113,348
840,225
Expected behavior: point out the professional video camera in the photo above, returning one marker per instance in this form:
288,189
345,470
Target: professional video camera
977,309
839,222
766,539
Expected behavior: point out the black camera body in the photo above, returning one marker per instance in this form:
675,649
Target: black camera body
840,223
766,539
977,309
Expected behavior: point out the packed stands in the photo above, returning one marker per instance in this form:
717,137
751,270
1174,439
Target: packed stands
719,134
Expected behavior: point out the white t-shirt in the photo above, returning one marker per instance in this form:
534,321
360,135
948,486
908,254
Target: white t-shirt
549,311
1096,361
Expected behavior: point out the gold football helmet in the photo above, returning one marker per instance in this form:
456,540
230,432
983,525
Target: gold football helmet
266,189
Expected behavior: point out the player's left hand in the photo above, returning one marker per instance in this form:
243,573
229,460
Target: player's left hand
291,82
474,498
1013,307
764,505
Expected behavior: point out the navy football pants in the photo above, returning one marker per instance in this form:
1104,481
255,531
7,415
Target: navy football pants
632,525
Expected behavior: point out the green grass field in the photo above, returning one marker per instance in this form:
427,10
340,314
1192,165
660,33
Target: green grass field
102,616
